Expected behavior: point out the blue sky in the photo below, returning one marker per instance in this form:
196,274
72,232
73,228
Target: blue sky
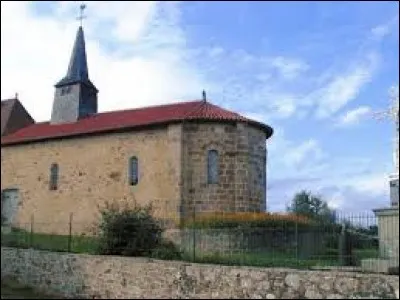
314,71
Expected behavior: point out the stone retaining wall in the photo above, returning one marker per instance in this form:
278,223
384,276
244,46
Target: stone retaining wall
87,276
306,242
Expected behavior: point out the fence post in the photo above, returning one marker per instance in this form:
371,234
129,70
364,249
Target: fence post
297,241
70,232
31,233
345,254
194,232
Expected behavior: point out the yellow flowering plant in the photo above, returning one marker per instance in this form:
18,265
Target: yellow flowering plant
219,220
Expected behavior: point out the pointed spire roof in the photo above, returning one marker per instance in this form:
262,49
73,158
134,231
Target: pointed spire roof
77,69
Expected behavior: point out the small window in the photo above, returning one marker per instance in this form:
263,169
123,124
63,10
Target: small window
65,90
54,177
212,166
133,171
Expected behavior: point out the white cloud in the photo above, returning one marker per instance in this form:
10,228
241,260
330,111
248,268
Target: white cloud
256,116
284,106
289,68
374,184
380,31
216,51
384,29
35,53
308,149
288,158
336,200
354,183
343,88
353,116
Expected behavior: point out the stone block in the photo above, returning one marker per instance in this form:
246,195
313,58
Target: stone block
383,266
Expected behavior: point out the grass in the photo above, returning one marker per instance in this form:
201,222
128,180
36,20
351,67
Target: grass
85,244
59,243
261,259
11,289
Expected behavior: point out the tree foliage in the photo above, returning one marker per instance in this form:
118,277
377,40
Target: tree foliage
311,206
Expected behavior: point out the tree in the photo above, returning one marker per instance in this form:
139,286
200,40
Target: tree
306,204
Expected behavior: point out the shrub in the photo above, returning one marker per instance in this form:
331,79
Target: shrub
128,231
243,220
167,250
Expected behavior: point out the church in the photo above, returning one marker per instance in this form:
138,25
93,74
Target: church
182,157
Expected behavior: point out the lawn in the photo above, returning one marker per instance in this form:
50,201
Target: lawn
263,259
10,289
85,244
59,243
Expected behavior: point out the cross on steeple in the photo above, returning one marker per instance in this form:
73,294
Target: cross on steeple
81,15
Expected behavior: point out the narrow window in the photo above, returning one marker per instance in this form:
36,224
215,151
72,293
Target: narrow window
54,177
133,171
65,90
212,166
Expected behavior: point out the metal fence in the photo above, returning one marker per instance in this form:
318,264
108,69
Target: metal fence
252,239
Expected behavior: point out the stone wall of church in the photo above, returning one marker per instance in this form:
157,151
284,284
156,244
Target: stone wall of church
93,170
172,175
242,158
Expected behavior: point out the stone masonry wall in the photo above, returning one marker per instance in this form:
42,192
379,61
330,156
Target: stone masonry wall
257,161
93,170
242,158
172,174
87,276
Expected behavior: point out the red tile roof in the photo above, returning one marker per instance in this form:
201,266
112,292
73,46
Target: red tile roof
125,119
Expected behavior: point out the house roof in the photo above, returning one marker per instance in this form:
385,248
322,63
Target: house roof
13,116
129,119
6,108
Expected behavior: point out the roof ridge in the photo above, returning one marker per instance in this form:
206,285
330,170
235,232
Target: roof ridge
7,100
195,109
150,106
228,110
144,108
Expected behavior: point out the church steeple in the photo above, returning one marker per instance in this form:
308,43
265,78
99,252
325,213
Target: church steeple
77,69
75,96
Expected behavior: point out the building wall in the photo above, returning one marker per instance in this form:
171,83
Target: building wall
172,174
388,224
257,161
242,158
66,106
93,170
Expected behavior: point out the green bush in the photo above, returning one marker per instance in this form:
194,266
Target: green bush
167,250
128,231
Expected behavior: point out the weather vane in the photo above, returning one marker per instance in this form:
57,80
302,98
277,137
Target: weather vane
81,15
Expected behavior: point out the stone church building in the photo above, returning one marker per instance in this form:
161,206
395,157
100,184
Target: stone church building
180,157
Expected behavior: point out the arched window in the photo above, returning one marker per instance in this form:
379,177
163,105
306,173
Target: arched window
54,177
212,166
133,171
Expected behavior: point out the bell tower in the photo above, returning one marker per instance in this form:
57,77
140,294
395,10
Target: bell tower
75,95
